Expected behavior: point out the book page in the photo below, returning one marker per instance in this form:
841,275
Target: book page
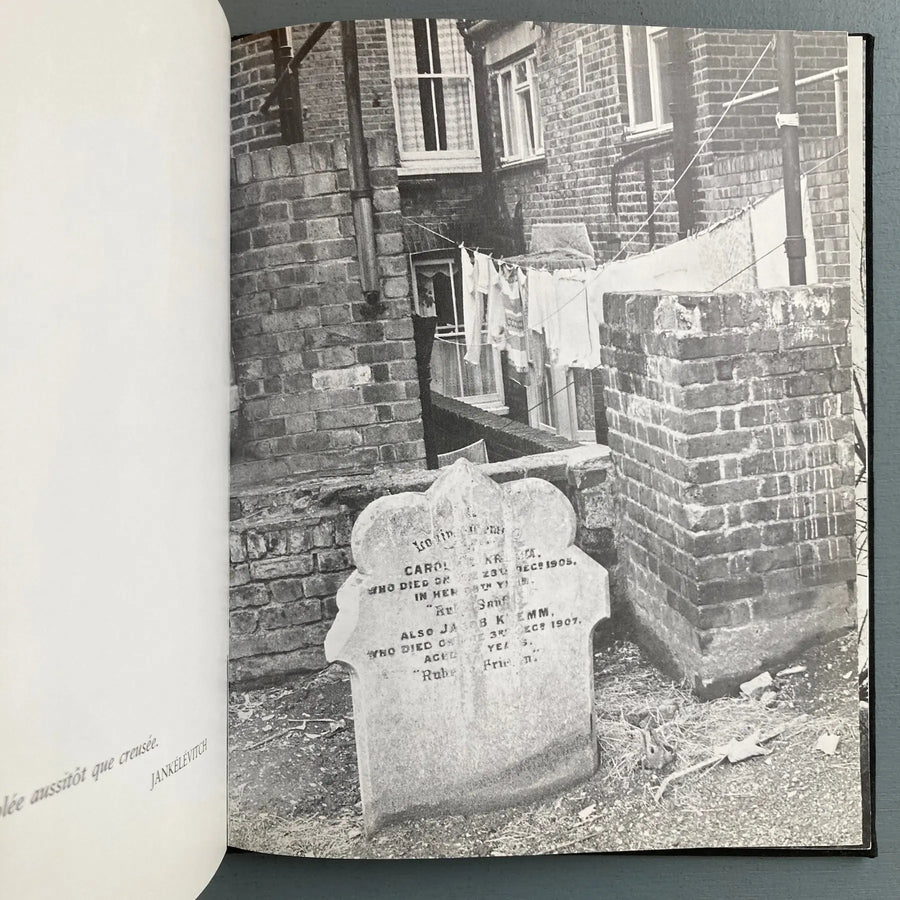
548,515
113,460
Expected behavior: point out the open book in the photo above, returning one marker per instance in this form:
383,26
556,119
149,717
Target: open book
545,486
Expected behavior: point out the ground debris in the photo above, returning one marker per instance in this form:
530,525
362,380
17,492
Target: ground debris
791,670
740,750
827,744
756,686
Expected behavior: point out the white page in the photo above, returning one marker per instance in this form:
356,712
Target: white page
114,455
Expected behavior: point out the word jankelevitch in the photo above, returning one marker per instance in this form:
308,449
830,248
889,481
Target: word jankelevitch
178,763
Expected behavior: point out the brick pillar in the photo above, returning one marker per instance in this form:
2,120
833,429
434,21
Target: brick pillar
731,433
327,383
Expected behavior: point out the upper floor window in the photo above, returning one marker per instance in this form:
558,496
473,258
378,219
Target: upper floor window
434,96
520,112
647,77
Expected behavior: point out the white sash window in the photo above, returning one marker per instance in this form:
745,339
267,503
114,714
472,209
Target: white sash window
434,97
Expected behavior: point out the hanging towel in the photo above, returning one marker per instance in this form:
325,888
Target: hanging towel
473,310
516,346
484,270
579,324
542,307
528,375
570,341
496,310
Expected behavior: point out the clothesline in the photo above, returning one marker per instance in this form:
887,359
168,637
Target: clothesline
460,245
452,242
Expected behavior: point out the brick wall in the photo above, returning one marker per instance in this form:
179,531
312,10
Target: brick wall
730,426
321,82
458,424
450,204
739,178
252,77
290,552
571,183
327,383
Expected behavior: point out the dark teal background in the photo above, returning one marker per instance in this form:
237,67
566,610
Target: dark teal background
664,876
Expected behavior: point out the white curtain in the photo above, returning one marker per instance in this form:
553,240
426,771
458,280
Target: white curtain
457,112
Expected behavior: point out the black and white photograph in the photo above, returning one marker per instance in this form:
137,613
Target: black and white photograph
549,440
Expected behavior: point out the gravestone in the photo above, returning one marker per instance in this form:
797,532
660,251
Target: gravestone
467,627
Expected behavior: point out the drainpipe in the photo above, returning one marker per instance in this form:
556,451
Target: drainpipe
681,111
482,86
360,184
788,122
423,335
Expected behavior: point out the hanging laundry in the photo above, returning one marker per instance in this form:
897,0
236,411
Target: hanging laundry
516,345
570,345
496,311
720,254
579,324
484,272
542,305
621,276
530,375
767,228
473,309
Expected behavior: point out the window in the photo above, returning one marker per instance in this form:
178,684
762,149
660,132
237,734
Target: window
579,66
563,403
520,119
647,78
434,96
437,290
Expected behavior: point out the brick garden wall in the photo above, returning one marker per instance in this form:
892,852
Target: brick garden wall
730,426
326,382
458,424
290,552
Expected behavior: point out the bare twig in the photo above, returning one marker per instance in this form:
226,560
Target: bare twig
272,737
714,760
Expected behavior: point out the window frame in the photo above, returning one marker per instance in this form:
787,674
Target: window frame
555,398
655,125
493,401
432,162
512,136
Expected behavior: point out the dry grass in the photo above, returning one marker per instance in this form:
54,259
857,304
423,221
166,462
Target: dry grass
617,809
307,835
630,694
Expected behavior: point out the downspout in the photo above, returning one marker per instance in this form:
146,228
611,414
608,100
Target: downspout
788,121
481,81
681,109
485,126
360,183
